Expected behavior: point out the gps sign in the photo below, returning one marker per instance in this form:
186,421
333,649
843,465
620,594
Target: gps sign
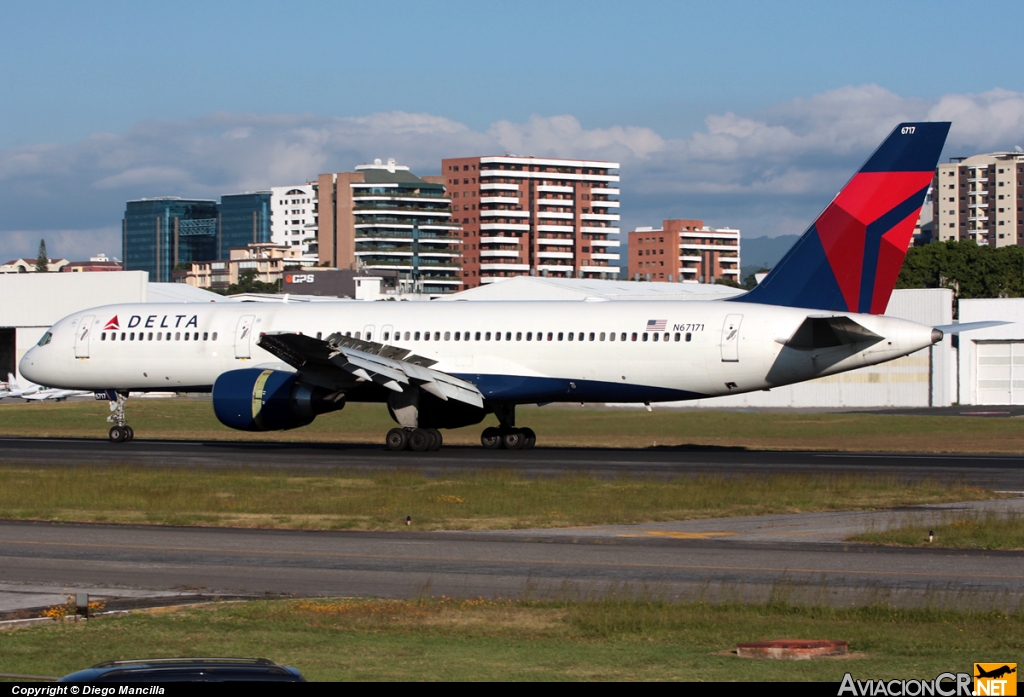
299,278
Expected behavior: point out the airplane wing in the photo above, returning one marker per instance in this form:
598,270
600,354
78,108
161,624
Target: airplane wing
968,326
824,331
344,359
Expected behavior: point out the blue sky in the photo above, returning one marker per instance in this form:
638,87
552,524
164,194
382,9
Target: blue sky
744,114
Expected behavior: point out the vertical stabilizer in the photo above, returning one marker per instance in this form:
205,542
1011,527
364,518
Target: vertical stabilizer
849,259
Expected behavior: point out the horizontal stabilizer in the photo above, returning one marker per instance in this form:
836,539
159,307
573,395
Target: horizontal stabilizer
968,326
827,332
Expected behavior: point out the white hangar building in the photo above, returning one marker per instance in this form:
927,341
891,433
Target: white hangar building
33,302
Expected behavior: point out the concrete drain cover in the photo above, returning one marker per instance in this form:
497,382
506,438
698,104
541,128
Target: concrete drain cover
792,649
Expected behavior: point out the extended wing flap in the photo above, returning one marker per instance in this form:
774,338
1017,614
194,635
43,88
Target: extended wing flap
394,368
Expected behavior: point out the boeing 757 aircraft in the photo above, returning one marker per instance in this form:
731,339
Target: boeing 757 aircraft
447,365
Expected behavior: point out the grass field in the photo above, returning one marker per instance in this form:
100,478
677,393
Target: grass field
482,500
555,426
442,639
974,531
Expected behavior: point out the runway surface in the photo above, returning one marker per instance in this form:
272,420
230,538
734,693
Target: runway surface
745,556
1000,472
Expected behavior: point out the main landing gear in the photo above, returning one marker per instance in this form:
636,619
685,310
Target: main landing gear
418,440
506,435
508,438
120,432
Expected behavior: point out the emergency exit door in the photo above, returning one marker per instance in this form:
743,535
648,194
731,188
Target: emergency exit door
731,338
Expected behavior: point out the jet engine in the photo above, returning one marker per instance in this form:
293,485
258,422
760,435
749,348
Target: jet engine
269,400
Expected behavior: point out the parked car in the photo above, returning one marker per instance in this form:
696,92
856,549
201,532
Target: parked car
159,670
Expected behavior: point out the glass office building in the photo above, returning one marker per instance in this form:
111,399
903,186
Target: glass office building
244,219
157,234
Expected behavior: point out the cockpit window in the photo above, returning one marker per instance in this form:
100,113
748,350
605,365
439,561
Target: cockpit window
46,339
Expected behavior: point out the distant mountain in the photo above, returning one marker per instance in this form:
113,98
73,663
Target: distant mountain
763,252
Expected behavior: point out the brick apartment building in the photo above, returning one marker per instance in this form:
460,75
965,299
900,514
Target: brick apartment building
526,215
980,198
684,251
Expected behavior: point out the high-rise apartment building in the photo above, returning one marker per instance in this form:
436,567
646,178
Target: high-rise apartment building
293,215
527,215
381,216
686,251
980,198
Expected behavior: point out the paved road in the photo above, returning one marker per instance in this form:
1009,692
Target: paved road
748,556
1001,472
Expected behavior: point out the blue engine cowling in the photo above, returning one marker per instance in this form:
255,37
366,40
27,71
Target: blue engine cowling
269,400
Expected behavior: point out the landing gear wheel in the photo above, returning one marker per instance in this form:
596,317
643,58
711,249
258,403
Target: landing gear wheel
117,434
435,438
419,440
129,434
397,439
513,439
491,438
529,438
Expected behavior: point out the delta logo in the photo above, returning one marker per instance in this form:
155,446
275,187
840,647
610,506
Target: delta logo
112,324
995,679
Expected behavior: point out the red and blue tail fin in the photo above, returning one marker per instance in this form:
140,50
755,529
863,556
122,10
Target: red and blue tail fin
849,259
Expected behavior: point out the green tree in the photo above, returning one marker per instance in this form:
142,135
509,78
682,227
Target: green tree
751,280
248,283
969,270
42,260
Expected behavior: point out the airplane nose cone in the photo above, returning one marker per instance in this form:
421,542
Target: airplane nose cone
28,366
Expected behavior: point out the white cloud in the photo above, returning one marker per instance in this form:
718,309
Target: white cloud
757,171
73,245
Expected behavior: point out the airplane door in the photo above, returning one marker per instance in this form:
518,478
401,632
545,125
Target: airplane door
731,338
243,337
368,332
82,337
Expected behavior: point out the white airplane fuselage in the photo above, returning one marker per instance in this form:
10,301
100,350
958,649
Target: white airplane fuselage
700,349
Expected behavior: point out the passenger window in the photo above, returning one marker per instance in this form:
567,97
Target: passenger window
386,335
611,336
131,337
623,337
186,336
591,336
426,336
508,336
549,336
122,336
465,336
149,337
103,337
497,336
677,336
195,336
407,336
634,336
645,336
437,336
417,336
519,336
559,336
478,336
357,334
177,336
214,336
687,336
318,335
487,336
206,336
655,337
457,335
529,336
602,336
570,336
666,336
447,336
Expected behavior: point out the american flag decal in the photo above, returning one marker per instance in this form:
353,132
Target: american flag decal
656,325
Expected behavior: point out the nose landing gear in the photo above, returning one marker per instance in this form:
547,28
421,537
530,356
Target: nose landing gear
120,432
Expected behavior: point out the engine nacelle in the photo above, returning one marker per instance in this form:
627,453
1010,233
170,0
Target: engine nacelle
269,400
